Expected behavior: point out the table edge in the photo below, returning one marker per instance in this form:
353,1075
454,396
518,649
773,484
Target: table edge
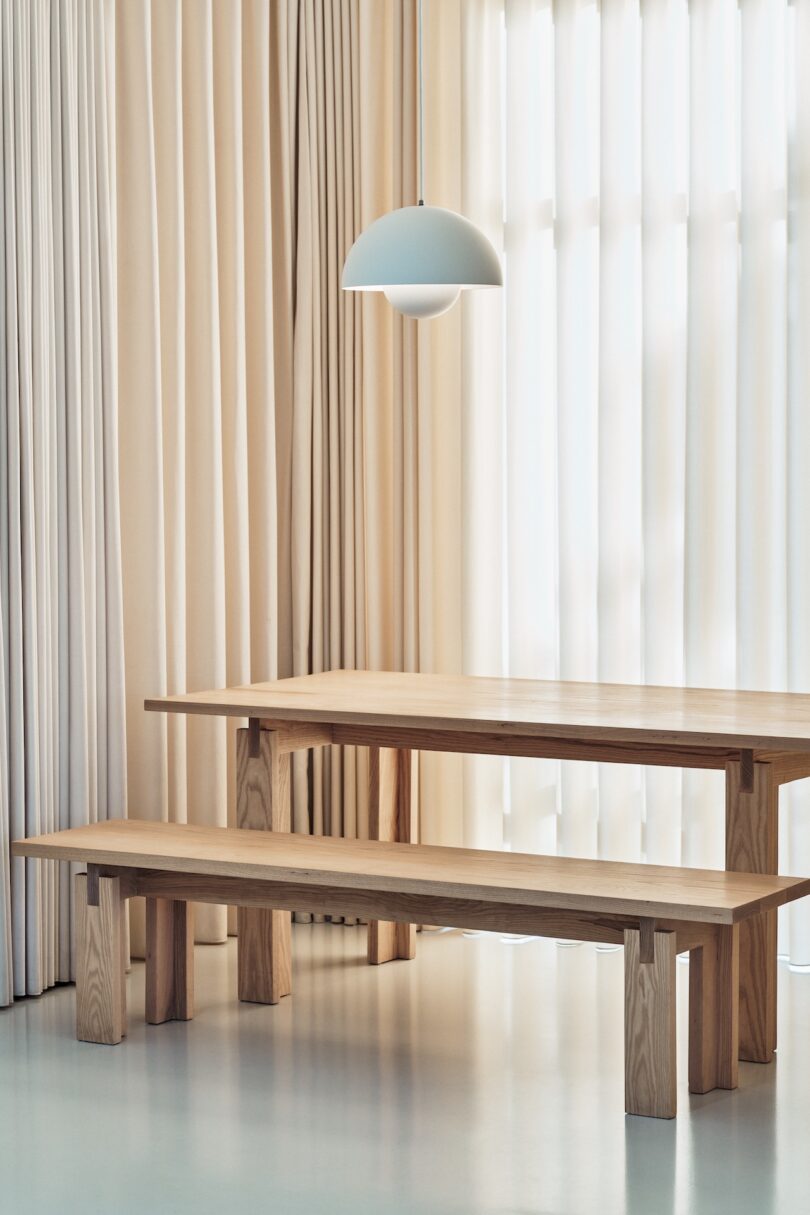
394,721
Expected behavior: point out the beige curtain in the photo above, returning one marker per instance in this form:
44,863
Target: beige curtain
197,397
61,644
373,575
282,510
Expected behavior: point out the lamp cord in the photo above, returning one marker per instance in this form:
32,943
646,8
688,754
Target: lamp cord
421,105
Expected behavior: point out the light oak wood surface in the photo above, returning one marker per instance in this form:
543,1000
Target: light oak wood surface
613,887
686,717
650,1075
400,908
752,846
655,911
761,740
263,803
392,816
100,975
714,1011
169,960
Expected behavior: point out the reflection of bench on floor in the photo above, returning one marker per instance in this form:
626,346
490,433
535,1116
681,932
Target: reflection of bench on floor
654,912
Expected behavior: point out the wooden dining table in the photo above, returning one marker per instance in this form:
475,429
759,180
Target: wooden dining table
761,740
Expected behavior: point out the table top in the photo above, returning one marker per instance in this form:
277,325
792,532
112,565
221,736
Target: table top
694,717
704,895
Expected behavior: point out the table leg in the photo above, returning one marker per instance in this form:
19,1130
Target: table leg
752,846
392,817
263,804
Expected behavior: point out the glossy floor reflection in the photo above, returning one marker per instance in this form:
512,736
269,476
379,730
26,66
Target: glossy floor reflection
485,1077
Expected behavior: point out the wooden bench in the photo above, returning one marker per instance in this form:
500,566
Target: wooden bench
655,912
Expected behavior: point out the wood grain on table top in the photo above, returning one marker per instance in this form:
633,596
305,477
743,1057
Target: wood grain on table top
705,895
617,712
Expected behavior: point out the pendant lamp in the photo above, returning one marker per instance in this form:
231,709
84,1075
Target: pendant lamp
421,257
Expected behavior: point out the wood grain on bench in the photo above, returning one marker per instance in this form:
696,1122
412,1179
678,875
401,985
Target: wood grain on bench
702,895
654,911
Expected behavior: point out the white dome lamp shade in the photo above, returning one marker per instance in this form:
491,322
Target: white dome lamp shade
421,257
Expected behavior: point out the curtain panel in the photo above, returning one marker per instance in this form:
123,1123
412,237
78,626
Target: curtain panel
635,469
62,752
282,511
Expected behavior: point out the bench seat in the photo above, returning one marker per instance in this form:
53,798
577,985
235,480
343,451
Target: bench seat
654,911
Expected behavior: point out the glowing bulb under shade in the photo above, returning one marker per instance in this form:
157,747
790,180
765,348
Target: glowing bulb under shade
421,300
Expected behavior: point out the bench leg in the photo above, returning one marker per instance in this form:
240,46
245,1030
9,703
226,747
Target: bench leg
714,1012
265,959
263,803
649,1027
752,846
392,817
100,975
169,960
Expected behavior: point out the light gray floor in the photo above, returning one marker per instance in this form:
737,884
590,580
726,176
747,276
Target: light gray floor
485,1077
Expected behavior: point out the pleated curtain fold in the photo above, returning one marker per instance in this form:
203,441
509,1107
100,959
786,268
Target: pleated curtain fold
279,496
62,749
636,435
596,473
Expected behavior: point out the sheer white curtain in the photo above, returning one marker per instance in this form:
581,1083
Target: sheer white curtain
61,643
637,439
